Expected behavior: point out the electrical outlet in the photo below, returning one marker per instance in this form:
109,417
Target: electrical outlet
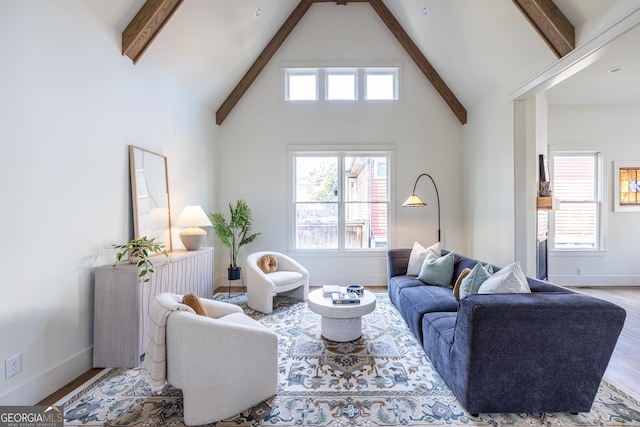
579,271
13,365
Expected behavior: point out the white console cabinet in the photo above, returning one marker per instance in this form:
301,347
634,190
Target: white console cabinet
121,307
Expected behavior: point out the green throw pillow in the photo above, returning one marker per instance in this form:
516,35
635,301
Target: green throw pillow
475,279
437,270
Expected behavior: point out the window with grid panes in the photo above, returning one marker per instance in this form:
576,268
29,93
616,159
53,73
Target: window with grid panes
576,185
341,200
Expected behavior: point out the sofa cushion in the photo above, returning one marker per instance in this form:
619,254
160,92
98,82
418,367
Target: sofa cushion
438,328
241,319
438,339
280,278
414,302
398,283
437,270
478,275
510,279
418,255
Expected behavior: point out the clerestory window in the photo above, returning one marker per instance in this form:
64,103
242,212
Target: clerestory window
341,84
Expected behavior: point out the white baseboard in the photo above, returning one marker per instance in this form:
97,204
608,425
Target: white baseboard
575,280
365,280
37,388
222,283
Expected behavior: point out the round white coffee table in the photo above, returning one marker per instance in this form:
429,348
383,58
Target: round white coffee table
341,322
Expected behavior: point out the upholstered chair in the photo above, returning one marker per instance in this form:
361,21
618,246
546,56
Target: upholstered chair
285,276
225,362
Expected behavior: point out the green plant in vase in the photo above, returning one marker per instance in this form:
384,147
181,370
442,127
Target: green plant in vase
234,233
139,252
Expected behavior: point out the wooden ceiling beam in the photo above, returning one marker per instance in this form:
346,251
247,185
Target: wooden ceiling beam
146,25
262,60
421,61
550,23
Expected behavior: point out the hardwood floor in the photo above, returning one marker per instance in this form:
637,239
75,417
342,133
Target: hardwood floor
624,367
623,370
55,396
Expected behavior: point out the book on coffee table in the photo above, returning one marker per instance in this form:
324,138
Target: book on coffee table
327,290
345,298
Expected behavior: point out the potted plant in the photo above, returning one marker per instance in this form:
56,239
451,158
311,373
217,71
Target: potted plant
139,250
234,233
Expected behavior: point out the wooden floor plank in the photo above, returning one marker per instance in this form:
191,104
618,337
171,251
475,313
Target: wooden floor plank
624,367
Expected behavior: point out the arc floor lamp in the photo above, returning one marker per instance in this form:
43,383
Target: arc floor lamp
414,201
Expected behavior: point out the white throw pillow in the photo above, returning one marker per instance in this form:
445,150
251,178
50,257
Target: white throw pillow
418,255
509,280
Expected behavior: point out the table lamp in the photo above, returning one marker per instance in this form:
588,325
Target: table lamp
193,217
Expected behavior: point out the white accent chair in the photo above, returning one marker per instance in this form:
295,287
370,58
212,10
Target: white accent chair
291,279
224,363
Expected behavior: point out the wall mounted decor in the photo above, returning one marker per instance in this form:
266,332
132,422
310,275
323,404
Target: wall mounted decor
150,195
626,181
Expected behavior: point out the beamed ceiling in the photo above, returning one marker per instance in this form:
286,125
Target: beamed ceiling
480,43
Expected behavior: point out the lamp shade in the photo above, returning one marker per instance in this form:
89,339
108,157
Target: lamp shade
413,201
193,216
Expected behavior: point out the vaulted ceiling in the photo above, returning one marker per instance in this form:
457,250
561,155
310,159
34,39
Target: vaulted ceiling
475,46
549,21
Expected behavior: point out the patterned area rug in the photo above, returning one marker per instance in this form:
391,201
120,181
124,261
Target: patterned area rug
381,379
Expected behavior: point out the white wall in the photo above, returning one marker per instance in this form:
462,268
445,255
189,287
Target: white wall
616,129
489,179
427,137
70,106
492,176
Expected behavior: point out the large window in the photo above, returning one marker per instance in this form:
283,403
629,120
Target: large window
341,200
577,186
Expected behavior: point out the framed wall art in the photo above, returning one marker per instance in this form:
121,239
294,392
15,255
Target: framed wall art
150,195
626,182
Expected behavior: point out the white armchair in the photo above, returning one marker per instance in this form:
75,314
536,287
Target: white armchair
291,279
224,363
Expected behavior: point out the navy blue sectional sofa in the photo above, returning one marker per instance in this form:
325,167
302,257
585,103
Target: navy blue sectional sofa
544,351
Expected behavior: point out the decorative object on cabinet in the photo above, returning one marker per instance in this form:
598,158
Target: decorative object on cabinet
234,233
626,181
121,302
415,201
193,217
544,184
139,252
150,195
